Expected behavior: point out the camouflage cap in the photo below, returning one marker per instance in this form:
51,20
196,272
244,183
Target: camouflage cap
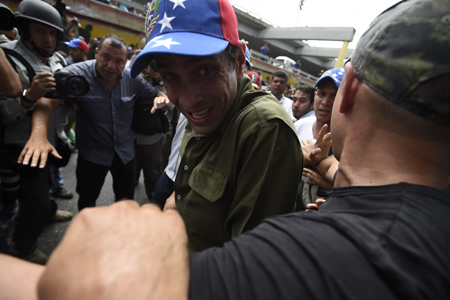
406,45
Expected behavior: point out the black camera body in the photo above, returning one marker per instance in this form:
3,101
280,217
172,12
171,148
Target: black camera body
68,86
7,18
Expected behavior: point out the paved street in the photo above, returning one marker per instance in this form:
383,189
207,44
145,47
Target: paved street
53,232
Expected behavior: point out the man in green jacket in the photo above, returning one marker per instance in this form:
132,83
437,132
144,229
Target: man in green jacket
241,161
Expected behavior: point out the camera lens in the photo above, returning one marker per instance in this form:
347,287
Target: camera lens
77,85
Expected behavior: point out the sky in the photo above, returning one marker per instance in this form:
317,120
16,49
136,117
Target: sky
318,13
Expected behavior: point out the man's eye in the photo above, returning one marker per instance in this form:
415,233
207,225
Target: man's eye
168,77
206,71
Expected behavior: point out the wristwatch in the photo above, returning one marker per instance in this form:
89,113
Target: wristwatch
25,98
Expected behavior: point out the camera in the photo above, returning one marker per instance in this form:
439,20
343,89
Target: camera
7,19
68,86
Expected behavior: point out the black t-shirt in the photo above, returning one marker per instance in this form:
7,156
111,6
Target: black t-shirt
387,242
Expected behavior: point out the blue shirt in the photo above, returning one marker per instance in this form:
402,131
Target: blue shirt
103,122
264,50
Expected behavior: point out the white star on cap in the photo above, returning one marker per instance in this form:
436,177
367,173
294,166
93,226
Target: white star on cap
166,43
178,3
165,22
154,39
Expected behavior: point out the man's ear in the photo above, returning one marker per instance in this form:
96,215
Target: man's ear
240,61
349,87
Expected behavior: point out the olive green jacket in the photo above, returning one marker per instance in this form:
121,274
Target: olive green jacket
247,170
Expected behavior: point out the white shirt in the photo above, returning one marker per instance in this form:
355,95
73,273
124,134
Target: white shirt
304,128
287,104
174,158
307,115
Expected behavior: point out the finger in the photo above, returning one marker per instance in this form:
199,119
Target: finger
55,153
42,156
24,157
322,132
311,207
320,201
315,151
42,75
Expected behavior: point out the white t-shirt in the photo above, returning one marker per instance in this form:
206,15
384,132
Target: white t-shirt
287,104
174,158
304,128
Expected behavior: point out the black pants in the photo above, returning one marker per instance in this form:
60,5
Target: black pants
91,176
148,159
34,209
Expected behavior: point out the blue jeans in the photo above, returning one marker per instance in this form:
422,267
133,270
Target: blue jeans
58,181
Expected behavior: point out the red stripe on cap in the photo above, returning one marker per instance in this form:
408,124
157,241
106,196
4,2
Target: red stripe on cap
229,22
83,46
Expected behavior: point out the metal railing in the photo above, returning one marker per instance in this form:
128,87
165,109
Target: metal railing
258,55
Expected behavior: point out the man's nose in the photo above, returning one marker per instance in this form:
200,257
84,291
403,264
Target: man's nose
49,36
190,96
111,65
328,101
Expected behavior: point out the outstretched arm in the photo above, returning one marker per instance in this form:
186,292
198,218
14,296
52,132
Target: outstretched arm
328,167
10,85
19,278
37,146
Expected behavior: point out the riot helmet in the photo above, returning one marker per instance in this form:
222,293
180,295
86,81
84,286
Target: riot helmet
38,11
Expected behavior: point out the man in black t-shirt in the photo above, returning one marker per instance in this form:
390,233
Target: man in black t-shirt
383,234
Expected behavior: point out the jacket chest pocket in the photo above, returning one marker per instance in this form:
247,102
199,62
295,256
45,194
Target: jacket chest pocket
208,183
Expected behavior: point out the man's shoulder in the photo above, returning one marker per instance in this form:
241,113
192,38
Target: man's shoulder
264,107
82,67
287,100
305,122
82,64
19,48
9,45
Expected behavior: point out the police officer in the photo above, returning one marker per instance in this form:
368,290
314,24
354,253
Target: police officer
40,28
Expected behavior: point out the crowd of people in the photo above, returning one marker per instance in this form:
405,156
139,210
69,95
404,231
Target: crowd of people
364,151
104,115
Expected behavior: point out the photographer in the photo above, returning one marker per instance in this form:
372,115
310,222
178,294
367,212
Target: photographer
40,28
